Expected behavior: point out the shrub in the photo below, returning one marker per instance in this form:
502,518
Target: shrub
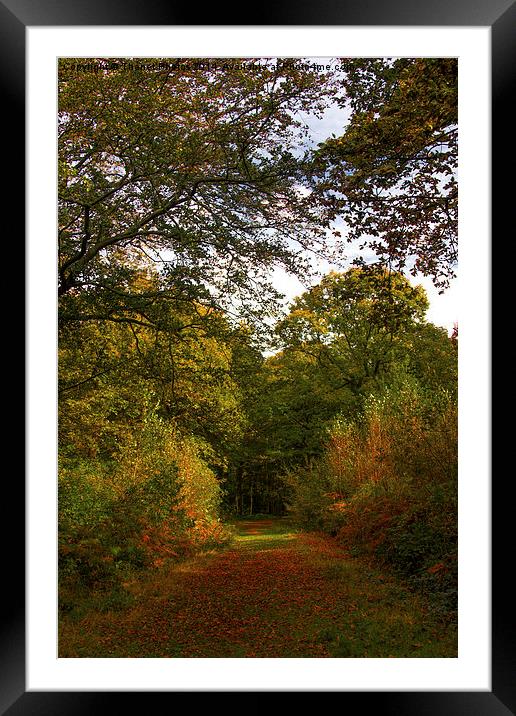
158,500
387,485
311,498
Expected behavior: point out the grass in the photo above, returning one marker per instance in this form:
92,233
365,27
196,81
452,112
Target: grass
275,592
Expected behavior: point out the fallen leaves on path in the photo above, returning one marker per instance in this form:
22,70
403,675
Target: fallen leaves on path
270,595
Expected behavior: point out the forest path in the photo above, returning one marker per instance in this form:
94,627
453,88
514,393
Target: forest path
274,592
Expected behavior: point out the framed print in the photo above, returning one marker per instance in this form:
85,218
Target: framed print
224,239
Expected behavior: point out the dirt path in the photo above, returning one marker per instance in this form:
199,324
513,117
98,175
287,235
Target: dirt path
274,593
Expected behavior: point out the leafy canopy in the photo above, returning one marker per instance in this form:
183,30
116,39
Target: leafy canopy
354,325
190,168
392,175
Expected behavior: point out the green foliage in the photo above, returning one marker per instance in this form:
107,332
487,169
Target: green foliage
147,421
178,192
432,358
311,500
85,493
156,501
341,340
355,325
386,486
197,162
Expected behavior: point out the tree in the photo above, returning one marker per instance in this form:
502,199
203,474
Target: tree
190,167
433,358
109,371
341,340
392,175
181,185
354,325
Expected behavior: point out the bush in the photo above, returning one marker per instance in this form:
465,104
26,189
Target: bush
158,500
311,500
386,486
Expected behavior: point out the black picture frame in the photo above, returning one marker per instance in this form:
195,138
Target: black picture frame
15,17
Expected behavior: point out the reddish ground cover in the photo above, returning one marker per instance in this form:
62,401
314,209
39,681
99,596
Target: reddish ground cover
275,593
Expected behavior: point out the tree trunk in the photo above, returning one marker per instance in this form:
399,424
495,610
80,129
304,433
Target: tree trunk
239,501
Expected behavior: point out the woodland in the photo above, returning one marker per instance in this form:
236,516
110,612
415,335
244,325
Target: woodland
242,475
